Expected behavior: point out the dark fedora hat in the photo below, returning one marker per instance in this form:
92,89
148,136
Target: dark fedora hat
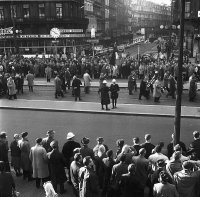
85,140
3,134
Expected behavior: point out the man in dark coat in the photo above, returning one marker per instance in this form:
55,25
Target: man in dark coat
129,185
192,88
132,85
85,150
76,84
114,89
16,155
136,145
105,99
57,167
142,169
172,86
144,90
74,172
195,145
4,150
89,186
7,184
67,151
58,87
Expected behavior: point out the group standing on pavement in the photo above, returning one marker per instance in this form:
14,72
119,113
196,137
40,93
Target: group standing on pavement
138,169
149,72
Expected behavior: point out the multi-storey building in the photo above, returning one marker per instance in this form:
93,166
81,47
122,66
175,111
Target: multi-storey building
150,16
192,24
33,21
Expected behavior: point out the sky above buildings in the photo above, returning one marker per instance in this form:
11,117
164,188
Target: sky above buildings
167,2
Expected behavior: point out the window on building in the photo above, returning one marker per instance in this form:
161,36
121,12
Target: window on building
41,10
13,11
1,13
59,10
26,10
187,9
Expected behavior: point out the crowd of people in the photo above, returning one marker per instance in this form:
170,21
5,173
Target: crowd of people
138,169
155,76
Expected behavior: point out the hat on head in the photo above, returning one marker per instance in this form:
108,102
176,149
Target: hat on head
104,82
38,140
70,135
114,81
100,139
3,134
85,141
16,136
24,134
50,131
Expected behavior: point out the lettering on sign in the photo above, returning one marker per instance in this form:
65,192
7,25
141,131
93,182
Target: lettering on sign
138,40
71,30
6,31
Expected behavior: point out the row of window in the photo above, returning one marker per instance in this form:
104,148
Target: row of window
41,11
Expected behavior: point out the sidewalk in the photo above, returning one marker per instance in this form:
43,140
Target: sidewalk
123,83
91,107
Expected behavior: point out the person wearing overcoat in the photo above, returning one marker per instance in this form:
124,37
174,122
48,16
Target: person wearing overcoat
105,98
114,89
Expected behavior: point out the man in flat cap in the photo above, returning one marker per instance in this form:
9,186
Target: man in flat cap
47,140
16,155
67,151
24,146
4,150
38,157
85,150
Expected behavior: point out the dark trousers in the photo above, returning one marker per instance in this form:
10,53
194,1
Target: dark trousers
38,181
58,93
30,88
114,102
27,174
55,186
14,96
68,84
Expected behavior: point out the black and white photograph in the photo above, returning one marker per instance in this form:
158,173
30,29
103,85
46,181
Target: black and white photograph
99,98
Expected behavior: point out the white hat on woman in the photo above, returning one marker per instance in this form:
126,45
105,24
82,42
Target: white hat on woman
104,81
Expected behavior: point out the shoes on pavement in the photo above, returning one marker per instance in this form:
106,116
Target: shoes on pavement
107,109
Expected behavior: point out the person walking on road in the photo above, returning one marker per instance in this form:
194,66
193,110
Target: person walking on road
114,89
58,87
11,88
87,82
76,84
38,157
105,99
30,78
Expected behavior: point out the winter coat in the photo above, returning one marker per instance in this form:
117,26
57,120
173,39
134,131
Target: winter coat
58,84
30,79
87,80
38,157
156,89
57,163
88,186
48,72
25,151
11,86
114,88
105,99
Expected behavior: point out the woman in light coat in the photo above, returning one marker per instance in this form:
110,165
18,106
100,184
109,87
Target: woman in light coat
11,88
157,91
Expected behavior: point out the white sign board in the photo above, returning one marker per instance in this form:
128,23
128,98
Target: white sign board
6,31
138,40
198,14
93,32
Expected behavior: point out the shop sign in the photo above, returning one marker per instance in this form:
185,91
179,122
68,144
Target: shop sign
71,31
6,31
5,37
93,41
98,48
138,40
49,36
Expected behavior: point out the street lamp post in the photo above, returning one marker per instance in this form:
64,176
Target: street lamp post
177,121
